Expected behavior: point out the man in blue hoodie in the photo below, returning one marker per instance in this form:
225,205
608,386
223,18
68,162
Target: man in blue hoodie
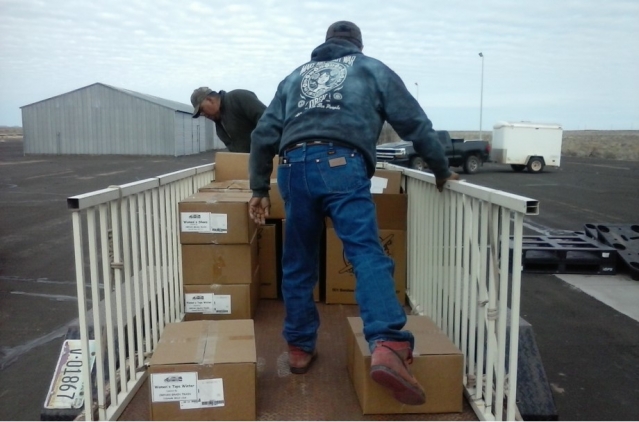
324,122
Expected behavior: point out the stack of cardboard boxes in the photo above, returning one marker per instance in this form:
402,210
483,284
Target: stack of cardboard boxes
223,249
219,256
205,367
231,176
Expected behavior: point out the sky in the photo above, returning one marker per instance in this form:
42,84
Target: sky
572,62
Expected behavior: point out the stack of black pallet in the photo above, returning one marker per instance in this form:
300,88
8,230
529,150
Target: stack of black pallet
624,238
567,254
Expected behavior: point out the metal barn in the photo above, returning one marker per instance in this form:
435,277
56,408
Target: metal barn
103,119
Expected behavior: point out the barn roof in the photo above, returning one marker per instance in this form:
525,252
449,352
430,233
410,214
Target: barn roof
174,105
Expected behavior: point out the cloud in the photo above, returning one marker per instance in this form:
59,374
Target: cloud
543,55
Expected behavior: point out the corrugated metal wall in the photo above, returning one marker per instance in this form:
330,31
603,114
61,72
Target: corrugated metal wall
193,136
212,140
100,120
183,134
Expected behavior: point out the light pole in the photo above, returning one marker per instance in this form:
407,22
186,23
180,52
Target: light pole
481,95
417,91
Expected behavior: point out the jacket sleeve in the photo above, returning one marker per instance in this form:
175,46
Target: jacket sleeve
265,141
410,122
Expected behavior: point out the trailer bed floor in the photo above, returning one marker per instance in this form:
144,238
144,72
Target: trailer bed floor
324,393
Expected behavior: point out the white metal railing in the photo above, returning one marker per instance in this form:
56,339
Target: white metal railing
460,273
132,277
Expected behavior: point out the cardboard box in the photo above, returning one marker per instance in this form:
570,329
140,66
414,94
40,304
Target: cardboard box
235,185
222,301
278,210
340,278
215,218
392,211
204,370
220,264
235,165
386,181
437,365
267,257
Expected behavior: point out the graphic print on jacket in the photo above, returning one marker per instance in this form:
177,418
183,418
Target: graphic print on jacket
321,82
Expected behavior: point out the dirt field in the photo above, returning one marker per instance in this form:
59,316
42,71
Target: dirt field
10,133
607,144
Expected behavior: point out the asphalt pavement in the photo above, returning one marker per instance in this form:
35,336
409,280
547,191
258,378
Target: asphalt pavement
37,274
590,351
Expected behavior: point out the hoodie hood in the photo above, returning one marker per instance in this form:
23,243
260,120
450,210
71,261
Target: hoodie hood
334,49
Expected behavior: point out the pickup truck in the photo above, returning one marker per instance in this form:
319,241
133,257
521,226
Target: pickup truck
470,155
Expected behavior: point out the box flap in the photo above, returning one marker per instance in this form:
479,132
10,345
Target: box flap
230,185
226,184
230,341
181,342
206,342
218,197
429,339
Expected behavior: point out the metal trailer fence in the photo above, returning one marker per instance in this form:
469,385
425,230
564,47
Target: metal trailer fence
130,234
459,274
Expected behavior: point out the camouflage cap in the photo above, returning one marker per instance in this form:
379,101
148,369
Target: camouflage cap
198,97
347,30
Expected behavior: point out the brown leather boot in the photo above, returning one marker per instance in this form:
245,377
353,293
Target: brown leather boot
298,360
389,368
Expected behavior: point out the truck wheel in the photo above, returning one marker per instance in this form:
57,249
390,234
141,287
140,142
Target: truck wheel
417,163
471,165
518,167
536,165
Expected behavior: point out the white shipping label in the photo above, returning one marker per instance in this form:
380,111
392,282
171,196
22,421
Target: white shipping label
221,305
378,184
199,302
174,386
219,223
195,222
210,394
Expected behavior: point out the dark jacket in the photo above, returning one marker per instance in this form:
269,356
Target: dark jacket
344,96
240,110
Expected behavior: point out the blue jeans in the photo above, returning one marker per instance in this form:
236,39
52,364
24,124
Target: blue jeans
318,181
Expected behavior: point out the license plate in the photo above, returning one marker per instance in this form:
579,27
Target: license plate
67,389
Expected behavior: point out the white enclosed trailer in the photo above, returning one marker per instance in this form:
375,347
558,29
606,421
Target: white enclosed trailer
527,145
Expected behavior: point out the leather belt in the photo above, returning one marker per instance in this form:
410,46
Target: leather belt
313,143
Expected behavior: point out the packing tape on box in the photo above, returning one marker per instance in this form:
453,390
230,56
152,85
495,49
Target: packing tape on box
211,343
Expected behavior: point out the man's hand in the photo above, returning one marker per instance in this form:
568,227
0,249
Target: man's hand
259,209
441,182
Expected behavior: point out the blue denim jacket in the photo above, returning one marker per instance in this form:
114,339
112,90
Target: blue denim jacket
344,96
